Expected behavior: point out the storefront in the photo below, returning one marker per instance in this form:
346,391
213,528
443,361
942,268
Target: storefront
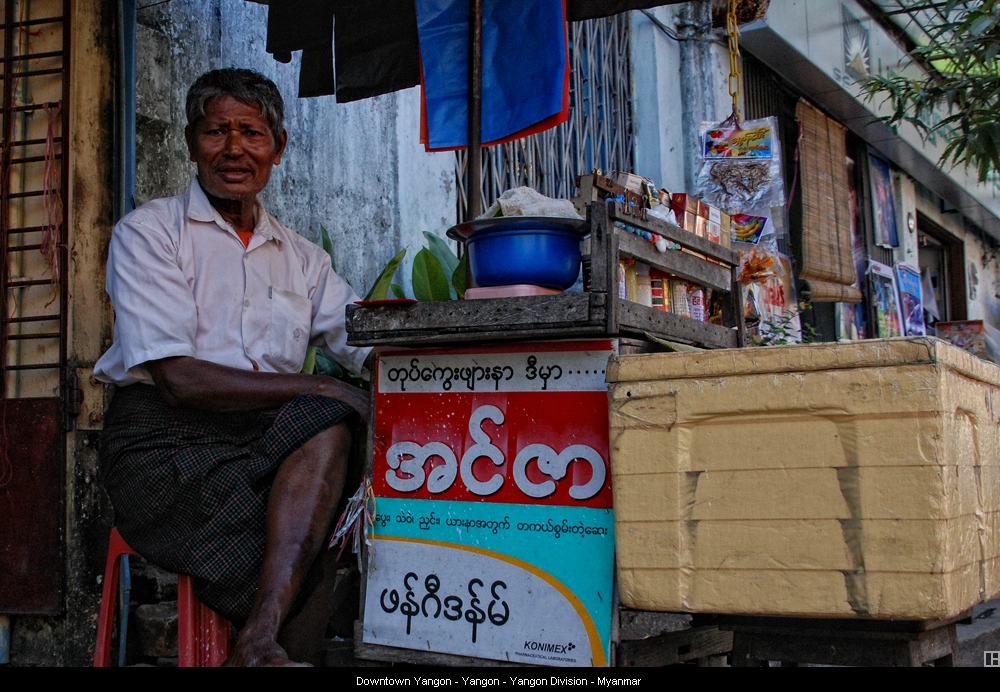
918,231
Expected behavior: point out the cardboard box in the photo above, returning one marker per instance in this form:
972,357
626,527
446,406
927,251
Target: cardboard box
703,209
689,222
713,232
701,227
832,480
631,181
682,203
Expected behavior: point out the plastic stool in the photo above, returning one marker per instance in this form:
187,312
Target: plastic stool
202,634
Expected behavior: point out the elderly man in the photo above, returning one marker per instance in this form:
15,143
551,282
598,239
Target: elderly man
221,460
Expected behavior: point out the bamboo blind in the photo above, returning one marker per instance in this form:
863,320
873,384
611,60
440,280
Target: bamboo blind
827,263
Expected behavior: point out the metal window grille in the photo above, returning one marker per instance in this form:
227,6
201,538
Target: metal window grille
34,117
598,134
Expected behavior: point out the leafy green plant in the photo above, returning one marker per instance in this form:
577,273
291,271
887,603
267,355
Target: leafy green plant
959,96
781,330
380,289
438,274
324,236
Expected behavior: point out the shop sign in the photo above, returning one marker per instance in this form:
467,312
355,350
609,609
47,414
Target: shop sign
494,527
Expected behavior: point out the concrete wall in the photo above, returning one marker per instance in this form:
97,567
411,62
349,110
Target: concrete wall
357,169
677,84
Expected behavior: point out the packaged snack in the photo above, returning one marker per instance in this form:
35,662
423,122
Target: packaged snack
657,280
679,300
747,228
742,166
697,302
644,289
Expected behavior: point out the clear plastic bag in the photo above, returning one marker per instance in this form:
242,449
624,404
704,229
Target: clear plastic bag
741,165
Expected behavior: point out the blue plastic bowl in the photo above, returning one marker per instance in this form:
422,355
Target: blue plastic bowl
539,256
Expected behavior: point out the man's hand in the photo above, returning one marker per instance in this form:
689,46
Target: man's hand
355,397
186,381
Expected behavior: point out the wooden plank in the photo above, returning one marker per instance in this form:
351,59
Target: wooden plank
675,647
853,627
642,624
613,300
839,648
715,276
395,323
475,336
677,235
638,319
601,264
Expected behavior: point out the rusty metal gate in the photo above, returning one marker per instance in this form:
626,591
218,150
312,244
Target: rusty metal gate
598,134
33,224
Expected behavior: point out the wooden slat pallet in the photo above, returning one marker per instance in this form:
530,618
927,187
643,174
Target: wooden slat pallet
664,639
708,646
600,313
876,643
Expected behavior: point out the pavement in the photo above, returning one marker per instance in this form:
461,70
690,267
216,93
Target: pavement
982,636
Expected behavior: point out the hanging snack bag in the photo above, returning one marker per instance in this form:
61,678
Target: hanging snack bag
742,166
747,228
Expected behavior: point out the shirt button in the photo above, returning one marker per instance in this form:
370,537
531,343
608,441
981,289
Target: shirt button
246,303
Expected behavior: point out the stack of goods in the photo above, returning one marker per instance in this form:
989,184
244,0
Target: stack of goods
645,285
637,281
702,219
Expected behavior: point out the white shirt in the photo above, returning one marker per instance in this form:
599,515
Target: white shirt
183,284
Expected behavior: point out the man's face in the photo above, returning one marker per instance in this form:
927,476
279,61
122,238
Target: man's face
234,148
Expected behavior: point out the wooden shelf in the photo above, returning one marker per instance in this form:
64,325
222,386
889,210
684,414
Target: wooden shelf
715,276
600,313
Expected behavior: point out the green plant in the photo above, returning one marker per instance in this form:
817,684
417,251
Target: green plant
781,330
959,95
438,274
324,236
380,289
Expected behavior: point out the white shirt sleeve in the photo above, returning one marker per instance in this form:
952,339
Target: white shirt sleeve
155,313
330,298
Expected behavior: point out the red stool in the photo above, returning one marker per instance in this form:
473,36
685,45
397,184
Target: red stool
202,634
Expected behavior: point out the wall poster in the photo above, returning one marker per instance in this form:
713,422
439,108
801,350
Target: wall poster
886,300
911,299
883,203
494,523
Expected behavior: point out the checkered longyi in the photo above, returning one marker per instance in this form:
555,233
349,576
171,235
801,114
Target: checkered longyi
190,487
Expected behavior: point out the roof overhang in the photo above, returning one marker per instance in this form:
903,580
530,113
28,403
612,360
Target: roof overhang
979,203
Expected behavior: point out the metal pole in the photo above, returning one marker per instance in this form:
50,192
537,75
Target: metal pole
695,23
474,169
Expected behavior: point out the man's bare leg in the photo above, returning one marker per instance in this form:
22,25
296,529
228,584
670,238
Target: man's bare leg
303,633
304,497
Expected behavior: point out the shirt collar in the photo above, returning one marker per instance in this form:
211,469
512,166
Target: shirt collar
200,209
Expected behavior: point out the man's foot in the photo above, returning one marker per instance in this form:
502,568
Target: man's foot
260,653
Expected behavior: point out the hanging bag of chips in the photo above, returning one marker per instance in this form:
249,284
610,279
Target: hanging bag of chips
741,167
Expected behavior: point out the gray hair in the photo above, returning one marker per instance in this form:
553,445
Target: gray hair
243,85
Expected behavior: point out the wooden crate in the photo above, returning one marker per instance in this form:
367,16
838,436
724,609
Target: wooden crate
599,313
